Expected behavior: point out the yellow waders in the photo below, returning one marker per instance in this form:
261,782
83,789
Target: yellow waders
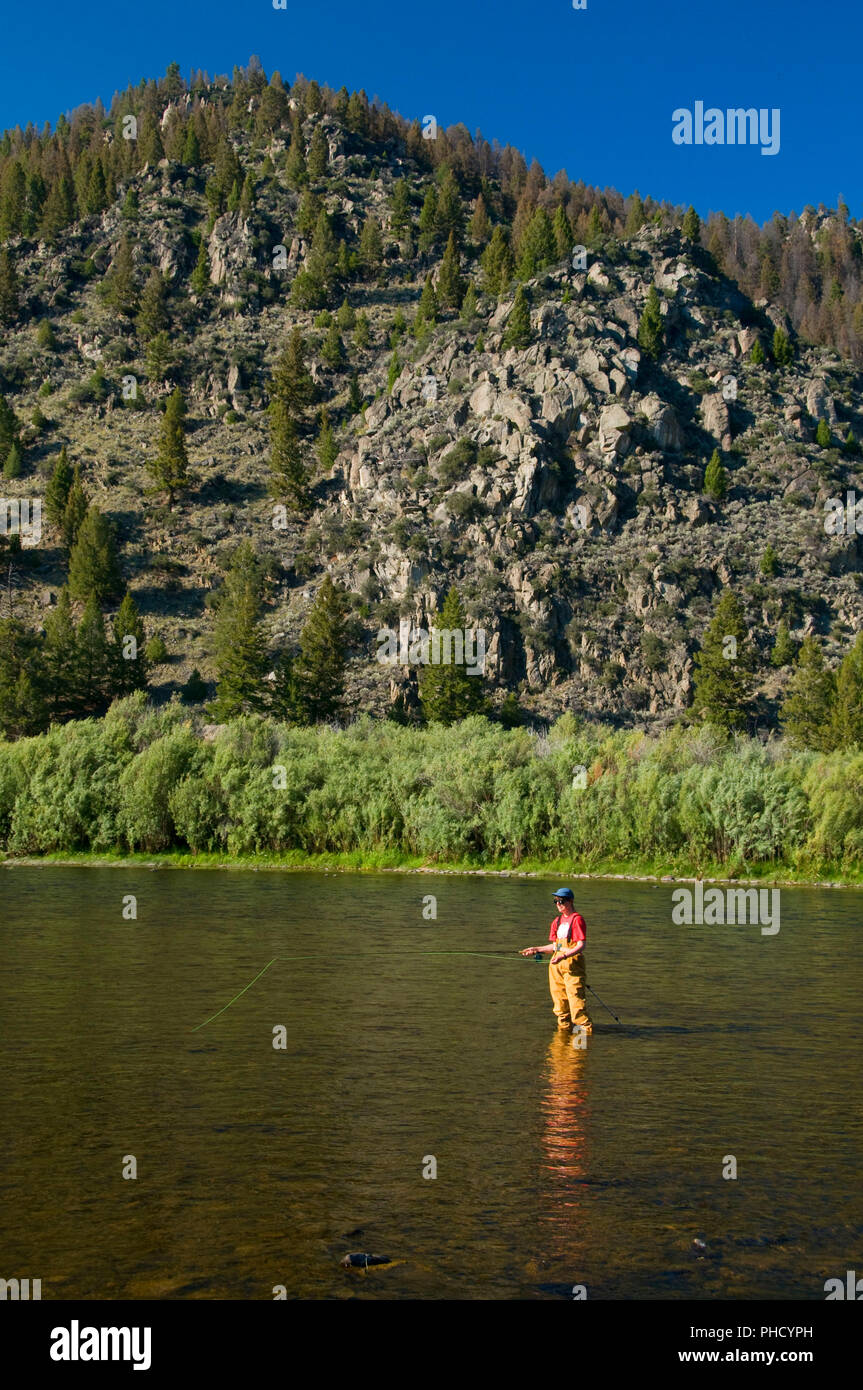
567,982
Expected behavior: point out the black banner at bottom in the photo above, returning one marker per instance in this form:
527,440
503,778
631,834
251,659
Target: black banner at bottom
364,1336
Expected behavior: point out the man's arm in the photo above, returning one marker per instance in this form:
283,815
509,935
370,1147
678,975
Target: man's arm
537,950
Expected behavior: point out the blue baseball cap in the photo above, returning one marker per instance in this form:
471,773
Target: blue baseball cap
563,893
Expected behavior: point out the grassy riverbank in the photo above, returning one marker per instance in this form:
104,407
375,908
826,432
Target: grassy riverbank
142,785
357,862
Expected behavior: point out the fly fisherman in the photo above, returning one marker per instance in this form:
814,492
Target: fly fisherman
567,974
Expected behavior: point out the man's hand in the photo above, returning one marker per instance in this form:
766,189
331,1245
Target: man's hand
559,956
529,951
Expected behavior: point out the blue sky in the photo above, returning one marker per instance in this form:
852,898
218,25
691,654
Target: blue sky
590,91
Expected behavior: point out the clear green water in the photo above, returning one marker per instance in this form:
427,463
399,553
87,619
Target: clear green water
259,1167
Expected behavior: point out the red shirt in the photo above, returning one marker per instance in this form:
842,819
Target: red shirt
577,927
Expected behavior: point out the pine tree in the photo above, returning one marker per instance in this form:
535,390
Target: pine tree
450,286
170,466
13,188
326,446
497,264
333,349
295,165
362,331
9,427
152,316
97,192
509,713
129,664
564,239
650,330
401,220
9,293
428,220
692,225
724,667
60,651
634,216
318,159
194,692
784,649
769,563
36,193
93,659
273,110
447,692
290,476
428,308
393,371
715,478
75,510
93,570
371,246
59,209
782,352
449,215
479,229
199,280
131,205
313,101
318,672
823,436
355,395
322,260
850,445
357,117
593,236
121,292
345,316
57,491
191,148
806,713
227,176
756,356
346,261
21,708
239,642
159,358
12,467
45,337
291,382
518,332
150,143
537,248
469,307
847,722
307,213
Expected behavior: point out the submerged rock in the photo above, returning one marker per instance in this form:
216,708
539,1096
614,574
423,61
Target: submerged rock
363,1260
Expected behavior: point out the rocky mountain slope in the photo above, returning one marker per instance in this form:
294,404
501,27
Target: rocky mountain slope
559,486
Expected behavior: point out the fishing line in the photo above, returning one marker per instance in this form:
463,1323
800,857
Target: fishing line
236,996
316,955
369,955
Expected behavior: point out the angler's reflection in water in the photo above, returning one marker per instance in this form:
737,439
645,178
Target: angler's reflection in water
565,1111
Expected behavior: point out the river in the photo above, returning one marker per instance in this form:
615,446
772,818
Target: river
557,1169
